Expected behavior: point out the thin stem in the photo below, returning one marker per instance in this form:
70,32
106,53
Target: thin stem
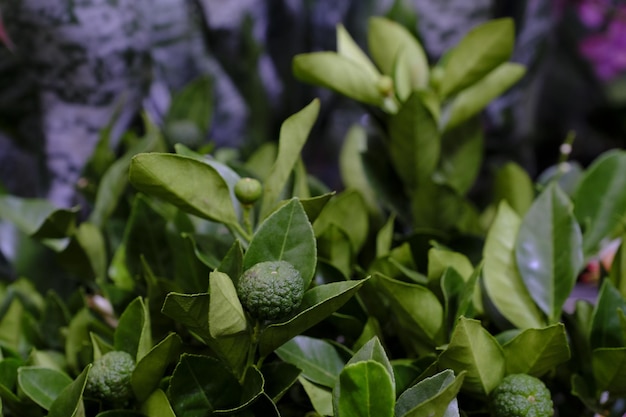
254,343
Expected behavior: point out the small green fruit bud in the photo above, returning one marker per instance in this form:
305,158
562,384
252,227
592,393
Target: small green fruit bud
385,85
248,190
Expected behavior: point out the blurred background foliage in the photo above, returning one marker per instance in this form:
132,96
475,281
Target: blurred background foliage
70,68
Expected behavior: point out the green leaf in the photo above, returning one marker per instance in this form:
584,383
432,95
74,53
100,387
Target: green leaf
609,370
440,259
347,47
319,361
321,398
252,388
606,330
537,351
473,349
279,378
414,143
347,212
286,235
431,396
476,97
313,206
69,402
192,311
226,314
293,135
417,311
133,333
484,48
189,116
373,350
200,385
388,41
599,200
232,263
115,180
365,390
162,175
338,73
85,255
461,156
38,218
334,247
501,279
157,405
151,368
513,185
617,274
549,251
317,304
42,385
351,167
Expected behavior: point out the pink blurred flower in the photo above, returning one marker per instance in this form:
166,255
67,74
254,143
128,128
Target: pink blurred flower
592,13
606,50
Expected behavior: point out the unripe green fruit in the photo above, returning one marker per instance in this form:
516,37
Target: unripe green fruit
521,395
109,378
385,85
271,290
248,190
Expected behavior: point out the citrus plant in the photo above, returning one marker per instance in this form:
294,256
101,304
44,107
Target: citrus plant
220,285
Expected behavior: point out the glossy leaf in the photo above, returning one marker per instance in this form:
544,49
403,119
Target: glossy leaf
365,390
414,143
232,263
286,235
334,247
513,184
151,368
549,251
373,350
85,255
157,405
351,167
133,334
279,378
321,398
599,200
387,40
430,397
609,370
347,212
474,350
317,304
313,206
537,351
38,218
439,259
226,314
200,385
42,385
347,47
192,311
115,180
319,361
417,311
617,274
461,156
484,48
293,135
338,73
69,403
501,279
606,330
475,98
162,175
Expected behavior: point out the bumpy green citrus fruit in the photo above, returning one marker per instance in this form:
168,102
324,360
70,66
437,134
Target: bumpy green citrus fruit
271,290
248,190
521,395
109,378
